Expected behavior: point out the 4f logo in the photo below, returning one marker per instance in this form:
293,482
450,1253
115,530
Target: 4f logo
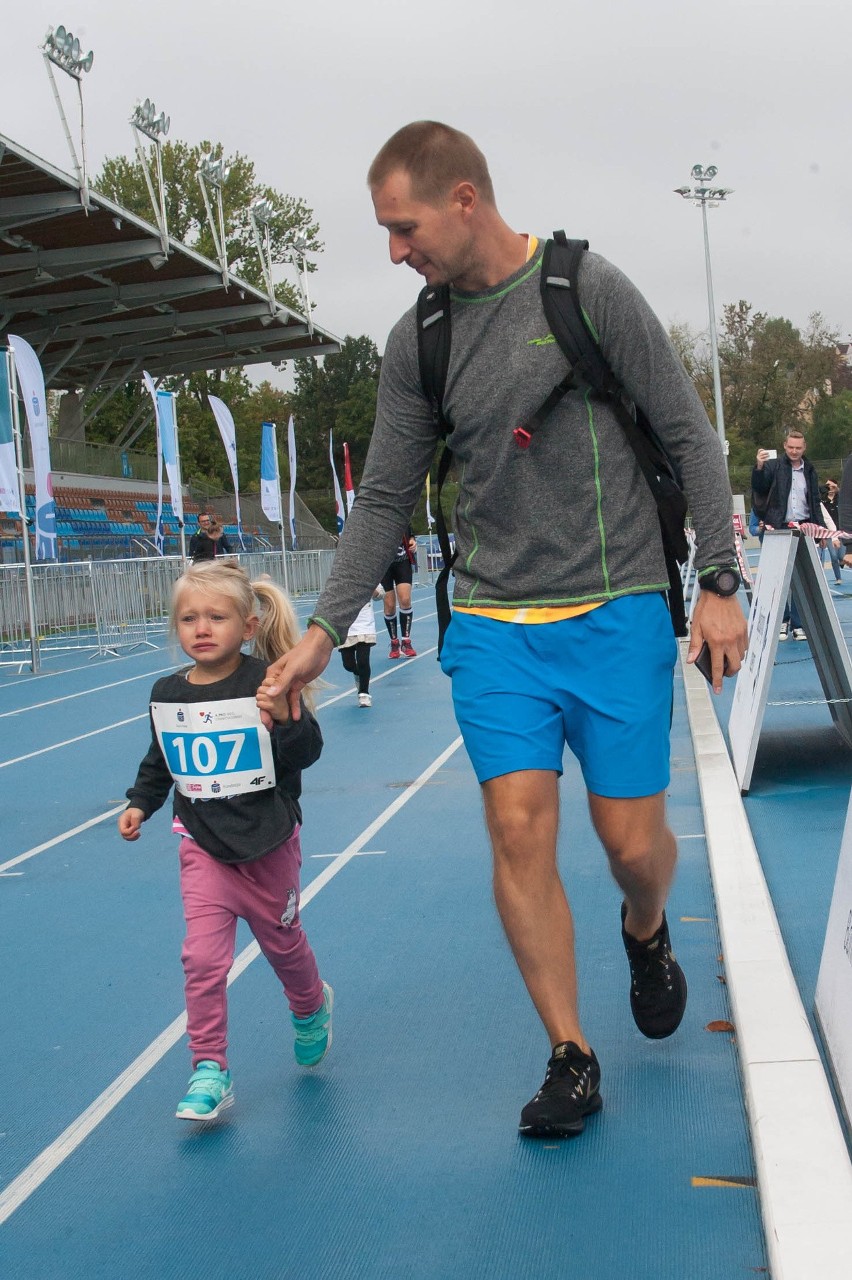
256,782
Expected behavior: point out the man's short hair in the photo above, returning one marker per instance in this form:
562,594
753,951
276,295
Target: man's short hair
435,157
794,431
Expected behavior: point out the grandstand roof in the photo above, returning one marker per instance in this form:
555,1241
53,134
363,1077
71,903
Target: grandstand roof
96,296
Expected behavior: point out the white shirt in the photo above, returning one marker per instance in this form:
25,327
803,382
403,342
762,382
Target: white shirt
797,503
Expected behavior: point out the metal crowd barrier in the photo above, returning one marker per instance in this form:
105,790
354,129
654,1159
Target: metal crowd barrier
107,605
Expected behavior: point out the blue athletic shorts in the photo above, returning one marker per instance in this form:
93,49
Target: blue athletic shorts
602,682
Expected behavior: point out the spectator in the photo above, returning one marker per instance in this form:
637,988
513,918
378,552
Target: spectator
210,540
792,487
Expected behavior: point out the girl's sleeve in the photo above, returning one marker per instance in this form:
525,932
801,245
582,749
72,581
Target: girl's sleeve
298,743
153,781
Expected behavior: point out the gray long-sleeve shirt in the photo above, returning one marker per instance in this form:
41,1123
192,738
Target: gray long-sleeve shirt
568,520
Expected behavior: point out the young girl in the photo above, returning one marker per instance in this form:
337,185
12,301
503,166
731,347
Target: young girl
236,807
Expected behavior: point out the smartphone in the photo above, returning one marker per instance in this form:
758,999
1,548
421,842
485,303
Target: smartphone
772,453
703,662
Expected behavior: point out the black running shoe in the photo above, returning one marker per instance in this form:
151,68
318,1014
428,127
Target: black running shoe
571,1091
657,982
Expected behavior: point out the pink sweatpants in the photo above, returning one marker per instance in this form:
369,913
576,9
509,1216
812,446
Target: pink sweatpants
265,893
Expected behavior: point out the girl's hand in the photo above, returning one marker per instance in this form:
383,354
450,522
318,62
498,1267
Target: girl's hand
129,823
276,708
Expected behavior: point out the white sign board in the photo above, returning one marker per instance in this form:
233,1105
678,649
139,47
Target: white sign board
833,1004
764,624
215,750
788,561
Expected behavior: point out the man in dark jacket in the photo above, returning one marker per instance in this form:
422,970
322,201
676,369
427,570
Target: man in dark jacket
791,486
790,482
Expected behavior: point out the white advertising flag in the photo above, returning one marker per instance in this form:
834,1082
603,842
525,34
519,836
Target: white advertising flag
168,440
228,432
10,499
158,533
338,496
291,456
270,489
31,379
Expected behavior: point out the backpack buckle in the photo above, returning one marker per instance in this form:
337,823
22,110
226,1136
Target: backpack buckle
522,437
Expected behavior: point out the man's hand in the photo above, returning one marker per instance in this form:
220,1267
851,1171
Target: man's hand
290,674
720,621
129,823
762,456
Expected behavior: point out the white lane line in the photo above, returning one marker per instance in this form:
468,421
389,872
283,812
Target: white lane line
40,1169
66,835
391,671
83,692
92,733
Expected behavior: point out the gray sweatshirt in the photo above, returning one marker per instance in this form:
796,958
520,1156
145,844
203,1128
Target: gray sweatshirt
568,520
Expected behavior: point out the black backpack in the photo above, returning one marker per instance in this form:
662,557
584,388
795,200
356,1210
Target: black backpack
571,329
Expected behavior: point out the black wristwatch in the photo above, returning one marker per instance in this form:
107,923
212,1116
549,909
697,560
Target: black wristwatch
722,582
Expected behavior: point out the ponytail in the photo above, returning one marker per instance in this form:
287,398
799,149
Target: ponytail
278,628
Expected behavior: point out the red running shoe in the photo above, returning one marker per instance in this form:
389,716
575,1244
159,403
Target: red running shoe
408,648
394,649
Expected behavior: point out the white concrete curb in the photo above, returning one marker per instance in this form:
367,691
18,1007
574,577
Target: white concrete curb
803,1169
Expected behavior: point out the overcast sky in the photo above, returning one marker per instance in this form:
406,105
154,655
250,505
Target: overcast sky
589,115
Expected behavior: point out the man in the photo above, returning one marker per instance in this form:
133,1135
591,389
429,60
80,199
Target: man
210,540
791,487
560,630
396,584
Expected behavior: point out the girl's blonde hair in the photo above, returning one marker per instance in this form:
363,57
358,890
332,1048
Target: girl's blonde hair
278,628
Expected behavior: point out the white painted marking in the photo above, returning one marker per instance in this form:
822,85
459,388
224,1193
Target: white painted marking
83,692
66,835
364,853
392,671
804,1175
68,741
49,1160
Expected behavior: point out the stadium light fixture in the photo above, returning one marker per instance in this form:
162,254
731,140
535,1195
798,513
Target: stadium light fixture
704,194
261,213
146,123
213,173
62,49
297,255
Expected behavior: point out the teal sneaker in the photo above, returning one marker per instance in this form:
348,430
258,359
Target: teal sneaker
313,1034
210,1091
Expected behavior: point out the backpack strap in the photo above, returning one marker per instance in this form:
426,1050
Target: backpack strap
571,328
434,335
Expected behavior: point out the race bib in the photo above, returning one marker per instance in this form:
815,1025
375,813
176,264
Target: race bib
215,750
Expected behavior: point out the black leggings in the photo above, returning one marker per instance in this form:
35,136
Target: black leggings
356,659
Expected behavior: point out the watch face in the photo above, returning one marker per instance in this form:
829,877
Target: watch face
727,582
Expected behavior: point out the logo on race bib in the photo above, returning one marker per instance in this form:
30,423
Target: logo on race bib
181,717
194,786
206,717
256,782
215,788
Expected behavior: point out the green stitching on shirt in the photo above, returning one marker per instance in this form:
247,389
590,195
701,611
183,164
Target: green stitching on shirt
591,328
599,499
600,597
501,293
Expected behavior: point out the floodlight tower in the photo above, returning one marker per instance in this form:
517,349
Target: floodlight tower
61,49
298,249
145,121
703,194
261,214
212,176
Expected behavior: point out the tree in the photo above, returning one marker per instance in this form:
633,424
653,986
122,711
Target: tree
338,395
830,436
123,180
772,375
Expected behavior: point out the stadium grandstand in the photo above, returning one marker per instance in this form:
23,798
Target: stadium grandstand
102,295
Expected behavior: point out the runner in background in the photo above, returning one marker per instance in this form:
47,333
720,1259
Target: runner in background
397,582
355,650
240,854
